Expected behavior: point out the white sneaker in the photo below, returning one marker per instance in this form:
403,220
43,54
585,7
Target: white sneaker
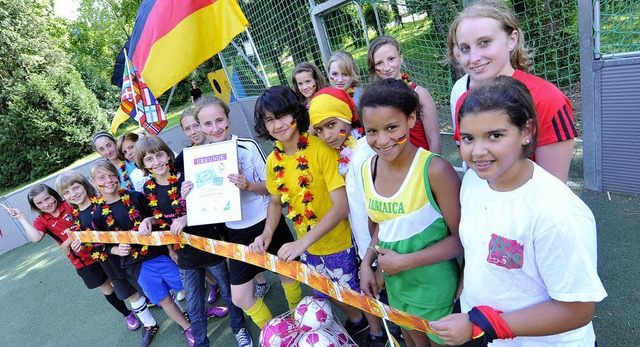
243,338
180,296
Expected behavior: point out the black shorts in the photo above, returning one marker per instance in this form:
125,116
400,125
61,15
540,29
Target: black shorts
241,272
124,288
92,275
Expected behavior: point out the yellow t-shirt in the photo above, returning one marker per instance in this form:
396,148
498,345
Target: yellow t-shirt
323,170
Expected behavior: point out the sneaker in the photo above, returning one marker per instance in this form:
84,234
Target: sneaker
262,289
186,316
189,335
354,328
132,322
243,338
147,335
218,311
376,341
180,295
213,294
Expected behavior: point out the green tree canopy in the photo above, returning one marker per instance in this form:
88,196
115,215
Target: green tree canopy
47,114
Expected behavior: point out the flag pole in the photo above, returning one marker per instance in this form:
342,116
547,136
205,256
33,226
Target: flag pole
253,45
166,107
126,60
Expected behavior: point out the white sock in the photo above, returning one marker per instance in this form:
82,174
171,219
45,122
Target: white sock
143,313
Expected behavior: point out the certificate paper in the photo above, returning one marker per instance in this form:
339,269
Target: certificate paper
213,199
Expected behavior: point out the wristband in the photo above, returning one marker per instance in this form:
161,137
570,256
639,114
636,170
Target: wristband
487,326
374,250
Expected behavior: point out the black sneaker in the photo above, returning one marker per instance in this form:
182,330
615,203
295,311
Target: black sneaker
376,341
354,328
147,335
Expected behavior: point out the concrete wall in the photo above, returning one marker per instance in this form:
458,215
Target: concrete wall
13,235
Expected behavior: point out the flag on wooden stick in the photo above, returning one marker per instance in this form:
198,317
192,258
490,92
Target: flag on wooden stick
138,101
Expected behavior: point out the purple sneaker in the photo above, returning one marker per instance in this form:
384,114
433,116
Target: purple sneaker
189,335
132,322
218,311
213,294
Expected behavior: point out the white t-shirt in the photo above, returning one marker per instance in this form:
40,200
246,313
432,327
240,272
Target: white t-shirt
459,88
358,218
526,246
253,162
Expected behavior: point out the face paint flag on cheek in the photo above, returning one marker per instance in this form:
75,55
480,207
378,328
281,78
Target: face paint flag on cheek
227,128
343,132
332,79
293,124
402,139
378,72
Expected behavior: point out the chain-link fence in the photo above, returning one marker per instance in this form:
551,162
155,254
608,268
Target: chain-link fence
284,36
616,28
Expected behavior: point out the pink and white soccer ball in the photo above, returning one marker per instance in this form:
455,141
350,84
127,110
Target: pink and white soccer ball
318,338
313,313
339,332
279,332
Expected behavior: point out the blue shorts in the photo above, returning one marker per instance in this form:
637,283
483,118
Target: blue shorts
157,276
341,267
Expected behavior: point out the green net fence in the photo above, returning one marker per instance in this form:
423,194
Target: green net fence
618,30
284,35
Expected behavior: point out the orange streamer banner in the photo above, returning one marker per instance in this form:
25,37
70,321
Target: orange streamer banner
295,270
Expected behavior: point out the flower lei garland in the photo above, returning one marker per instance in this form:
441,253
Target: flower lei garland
307,219
77,227
406,79
152,196
134,216
346,150
125,175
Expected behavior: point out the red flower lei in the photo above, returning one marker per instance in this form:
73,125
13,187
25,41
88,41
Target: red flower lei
406,79
125,175
76,227
302,222
173,194
134,216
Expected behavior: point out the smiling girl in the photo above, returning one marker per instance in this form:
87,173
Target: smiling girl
127,148
82,196
120,209
385,61
169,213
306,80
105,144
302,176
486,41
213,116
56,218
530,276
343,74
411,196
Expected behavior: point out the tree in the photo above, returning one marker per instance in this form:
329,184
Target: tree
96,37
47,114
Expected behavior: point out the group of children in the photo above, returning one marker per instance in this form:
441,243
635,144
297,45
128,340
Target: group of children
372,204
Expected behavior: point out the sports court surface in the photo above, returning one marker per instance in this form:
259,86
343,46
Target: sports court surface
44,303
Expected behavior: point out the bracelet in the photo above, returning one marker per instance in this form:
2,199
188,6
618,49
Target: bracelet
374,250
